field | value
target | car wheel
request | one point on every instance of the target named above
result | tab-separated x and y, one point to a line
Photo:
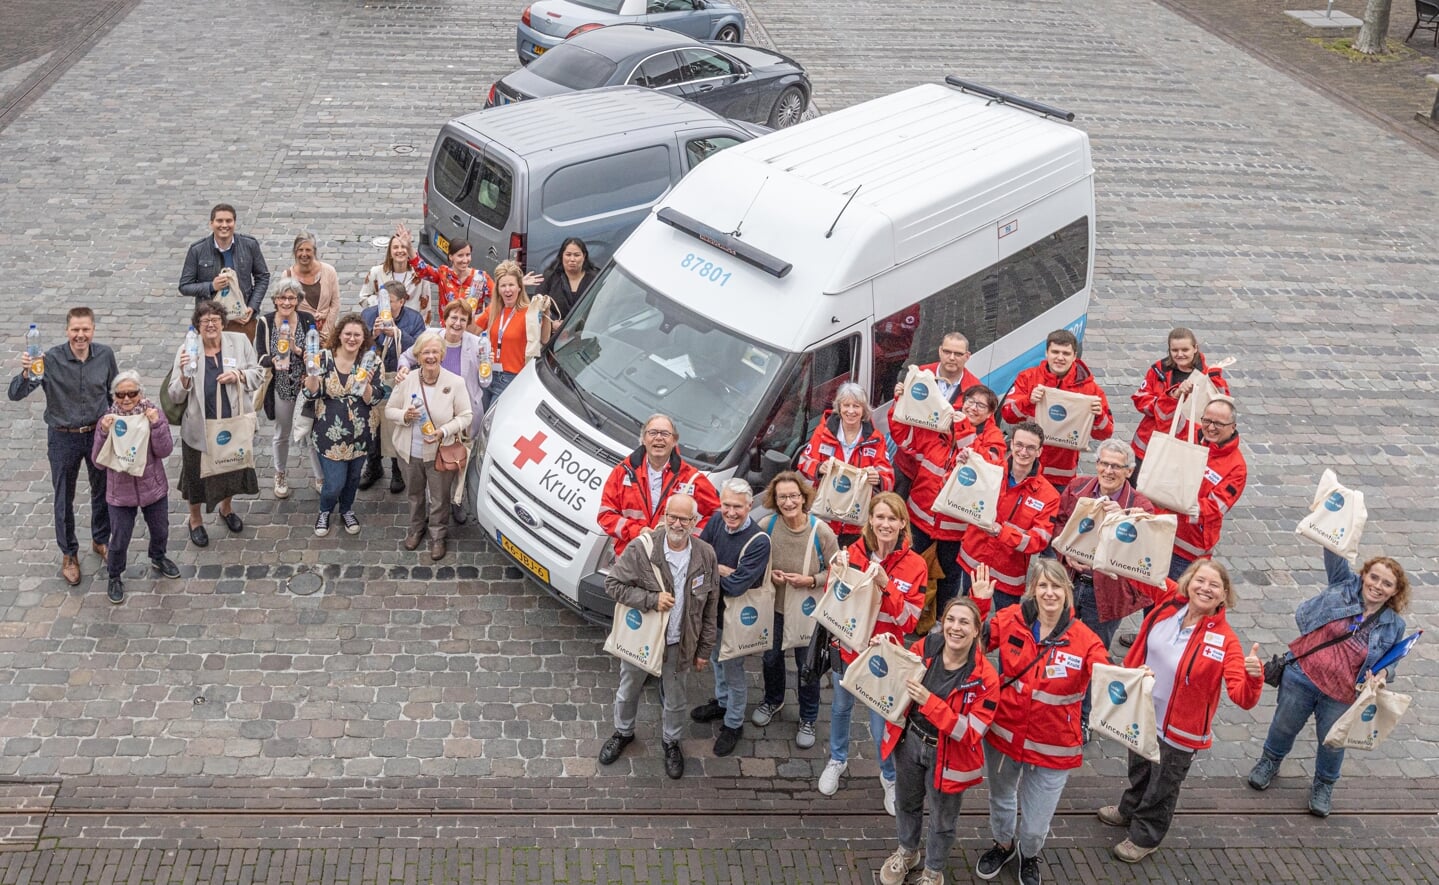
728	34
788	108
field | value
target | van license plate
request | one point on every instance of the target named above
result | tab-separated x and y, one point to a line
539	50
442	244
523	558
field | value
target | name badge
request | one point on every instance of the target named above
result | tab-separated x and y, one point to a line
229	362
1211	475
826	450
1034	503
1212	638
1214	654
1056	671
697	582
686	488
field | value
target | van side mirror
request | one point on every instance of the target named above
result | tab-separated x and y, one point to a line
771	464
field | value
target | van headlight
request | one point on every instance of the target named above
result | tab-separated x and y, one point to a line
607	557
487	421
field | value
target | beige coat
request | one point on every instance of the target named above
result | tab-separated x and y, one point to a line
449	405
327	312
233	346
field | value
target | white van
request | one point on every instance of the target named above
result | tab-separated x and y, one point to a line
842	249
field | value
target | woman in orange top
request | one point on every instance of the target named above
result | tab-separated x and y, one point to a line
505	324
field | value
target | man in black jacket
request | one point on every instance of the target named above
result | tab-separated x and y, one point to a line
225	248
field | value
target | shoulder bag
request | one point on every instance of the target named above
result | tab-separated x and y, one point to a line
449	457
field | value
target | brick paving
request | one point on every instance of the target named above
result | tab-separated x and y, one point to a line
438	706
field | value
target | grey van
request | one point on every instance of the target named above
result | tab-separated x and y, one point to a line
517	180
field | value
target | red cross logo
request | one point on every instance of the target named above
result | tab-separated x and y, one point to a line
529	449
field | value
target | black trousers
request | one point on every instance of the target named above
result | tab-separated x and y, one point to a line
67	451
122	529
1153	793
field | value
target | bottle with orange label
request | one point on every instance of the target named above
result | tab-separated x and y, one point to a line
34	356
486	357
427	427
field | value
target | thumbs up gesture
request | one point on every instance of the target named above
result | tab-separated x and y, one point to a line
1252	664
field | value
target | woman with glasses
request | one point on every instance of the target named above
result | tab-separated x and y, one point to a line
1165	382
280	344
846	432
222	387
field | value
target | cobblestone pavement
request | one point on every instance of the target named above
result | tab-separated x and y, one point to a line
1233	199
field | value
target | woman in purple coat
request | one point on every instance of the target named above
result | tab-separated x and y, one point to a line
129	495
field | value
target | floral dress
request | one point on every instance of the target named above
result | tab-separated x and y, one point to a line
478	285
344	427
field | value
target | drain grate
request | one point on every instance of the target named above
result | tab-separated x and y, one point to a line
305	584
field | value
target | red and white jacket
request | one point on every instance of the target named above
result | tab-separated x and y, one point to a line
933	453
870	451
904	462
1213	656
901	599
1058	465
625	506
1042	687
1026	510
962	719
1156	401
1224	481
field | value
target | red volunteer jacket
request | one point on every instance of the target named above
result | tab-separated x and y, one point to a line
1058	465
933	453
904	462
1027	510
869	452
902	598
1156	401
1224	482
1038	721
625	506
1114	597
961	718
1212	656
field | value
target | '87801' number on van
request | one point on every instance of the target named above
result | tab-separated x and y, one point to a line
705	269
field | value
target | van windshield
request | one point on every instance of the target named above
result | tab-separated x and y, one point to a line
632	351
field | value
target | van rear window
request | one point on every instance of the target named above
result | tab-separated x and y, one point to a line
452	170
573	67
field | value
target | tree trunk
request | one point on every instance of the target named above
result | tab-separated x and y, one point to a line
1371	39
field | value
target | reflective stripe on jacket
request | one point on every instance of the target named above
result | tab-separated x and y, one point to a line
1027	511
625	505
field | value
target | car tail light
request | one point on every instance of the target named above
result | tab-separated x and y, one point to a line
525	17
425	203
490	99
517	248
582	28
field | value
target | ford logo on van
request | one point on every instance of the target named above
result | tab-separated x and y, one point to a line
526	517
1126	532
633	619
1086	525
878	667
841	484
842	590
920	391
120	427
1117	692
222	438
1335	502
748	615
966	476
1057	412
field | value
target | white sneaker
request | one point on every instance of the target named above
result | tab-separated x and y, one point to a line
829	778
897	866
804	738
282	488
764	714
888	796
930	877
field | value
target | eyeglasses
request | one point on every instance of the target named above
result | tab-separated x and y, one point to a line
1024	447
1210	422
789	497
944	352
210	321
1104	465
290	298
659	434
670	517
126	394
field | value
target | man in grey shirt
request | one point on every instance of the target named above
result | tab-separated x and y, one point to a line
76	378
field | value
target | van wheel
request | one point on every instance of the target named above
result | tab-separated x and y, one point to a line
788	108
728	34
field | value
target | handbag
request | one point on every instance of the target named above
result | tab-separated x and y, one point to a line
541	307
818	659
1065	418
850	604
1370	718
174	412
1078	540
971	492
1136	544
877	677
843	494
1121	707
258	402
920	403
229	442
638	636
127	447
449	457
1174	468
1336	518
748	618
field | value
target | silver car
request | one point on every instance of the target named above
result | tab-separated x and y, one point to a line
548	23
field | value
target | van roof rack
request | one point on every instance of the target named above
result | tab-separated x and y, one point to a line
726	243
994	95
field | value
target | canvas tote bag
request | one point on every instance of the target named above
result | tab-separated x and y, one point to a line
1080	536
1122	708
1336	518
850	603
1136	544
636	636
1203	392
843	494
1174	468
748	617
127	448
799	604
1369	719
878	675
230	297
920	403
1065	418
971	492
540	307
229	442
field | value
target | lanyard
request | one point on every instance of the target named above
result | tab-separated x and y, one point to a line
504	323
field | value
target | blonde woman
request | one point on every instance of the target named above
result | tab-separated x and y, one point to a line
318	281
394	267
506	326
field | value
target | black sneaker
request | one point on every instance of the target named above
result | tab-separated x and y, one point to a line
458	515
166	567
397	482
993	860
614	747
728	739
674	760
352	522
116	591
370	477
709	711
322	524
1029	871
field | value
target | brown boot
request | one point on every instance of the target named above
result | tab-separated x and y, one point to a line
437	549
70	570
101	550
413	539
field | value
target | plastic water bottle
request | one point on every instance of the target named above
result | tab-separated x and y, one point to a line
192	347
34	356
363	373
387	319
427	427
486	356
282	346
312	353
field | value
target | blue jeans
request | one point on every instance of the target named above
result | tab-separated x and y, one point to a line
498	383
342	481
731	688
774	675
1299	698
840	711
67	451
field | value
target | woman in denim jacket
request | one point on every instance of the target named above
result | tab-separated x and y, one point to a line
1365	608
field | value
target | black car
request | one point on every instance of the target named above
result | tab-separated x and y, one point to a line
741	82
